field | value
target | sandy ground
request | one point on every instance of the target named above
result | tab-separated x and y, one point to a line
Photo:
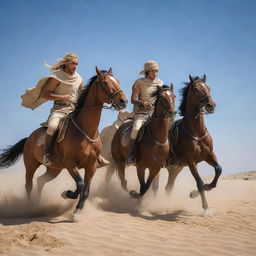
112	223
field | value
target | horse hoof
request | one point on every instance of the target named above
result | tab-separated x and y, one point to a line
208	214
64	195
78	212
207	187
134	194
168	191
194	193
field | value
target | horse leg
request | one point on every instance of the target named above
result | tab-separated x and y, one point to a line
88	175
121	174
79	184
155	184
200	186
173	173
109	173
145	186
141	177
49	175
31	165
152	173
212	160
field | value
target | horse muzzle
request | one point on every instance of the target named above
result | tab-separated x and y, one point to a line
120	104
210	107
171	114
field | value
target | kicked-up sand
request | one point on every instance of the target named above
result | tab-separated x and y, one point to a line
112	223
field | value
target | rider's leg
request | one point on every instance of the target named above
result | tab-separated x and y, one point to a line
138	122
49	138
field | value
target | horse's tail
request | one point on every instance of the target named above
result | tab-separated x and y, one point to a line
12	154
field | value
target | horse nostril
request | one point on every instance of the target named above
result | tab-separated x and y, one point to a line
123	102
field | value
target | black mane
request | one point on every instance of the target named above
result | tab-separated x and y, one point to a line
158	90
183	93
84	92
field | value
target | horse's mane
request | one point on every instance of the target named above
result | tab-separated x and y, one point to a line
158	90
84	92
183	93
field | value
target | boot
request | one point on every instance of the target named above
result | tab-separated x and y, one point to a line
131	159
101	161
47	148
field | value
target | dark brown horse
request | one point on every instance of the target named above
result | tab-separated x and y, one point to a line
194	143
152	149
81	145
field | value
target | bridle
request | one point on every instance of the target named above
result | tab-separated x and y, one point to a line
166	106
110	95
202	109
111	101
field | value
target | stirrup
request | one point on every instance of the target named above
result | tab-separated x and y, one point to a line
47	161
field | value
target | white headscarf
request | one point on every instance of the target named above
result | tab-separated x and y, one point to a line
149	65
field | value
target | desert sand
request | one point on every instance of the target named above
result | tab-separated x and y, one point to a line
112	223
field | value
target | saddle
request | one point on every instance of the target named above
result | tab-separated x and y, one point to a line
62	127
126	133
174	132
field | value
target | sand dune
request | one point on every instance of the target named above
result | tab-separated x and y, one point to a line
112	223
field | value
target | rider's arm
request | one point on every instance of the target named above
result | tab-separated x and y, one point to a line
47	91
135	97
81	86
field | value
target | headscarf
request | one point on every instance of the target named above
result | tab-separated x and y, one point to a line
149	65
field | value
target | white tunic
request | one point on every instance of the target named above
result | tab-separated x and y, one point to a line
147	88
69	84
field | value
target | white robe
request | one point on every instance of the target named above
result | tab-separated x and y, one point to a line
31	98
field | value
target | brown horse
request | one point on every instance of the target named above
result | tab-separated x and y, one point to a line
194	143
153	147
81	146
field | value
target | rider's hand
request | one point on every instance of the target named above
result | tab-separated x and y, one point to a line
66	98
146	105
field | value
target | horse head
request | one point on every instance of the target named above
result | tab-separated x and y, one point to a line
109	90
165	101
200	94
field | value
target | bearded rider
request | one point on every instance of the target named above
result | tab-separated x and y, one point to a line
63	87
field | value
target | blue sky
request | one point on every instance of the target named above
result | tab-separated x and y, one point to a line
217	38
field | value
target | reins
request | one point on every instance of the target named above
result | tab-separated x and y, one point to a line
156	141
164	106
194	137
110	95
81	131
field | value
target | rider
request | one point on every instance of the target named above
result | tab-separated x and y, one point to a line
63	87
143	102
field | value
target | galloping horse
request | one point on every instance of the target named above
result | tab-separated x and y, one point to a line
194	143
152	149
80	147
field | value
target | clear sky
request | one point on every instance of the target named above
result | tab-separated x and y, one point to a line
194	37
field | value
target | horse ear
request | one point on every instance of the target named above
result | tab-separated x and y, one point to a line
171	87
99	72
204	78
110	72
192	80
